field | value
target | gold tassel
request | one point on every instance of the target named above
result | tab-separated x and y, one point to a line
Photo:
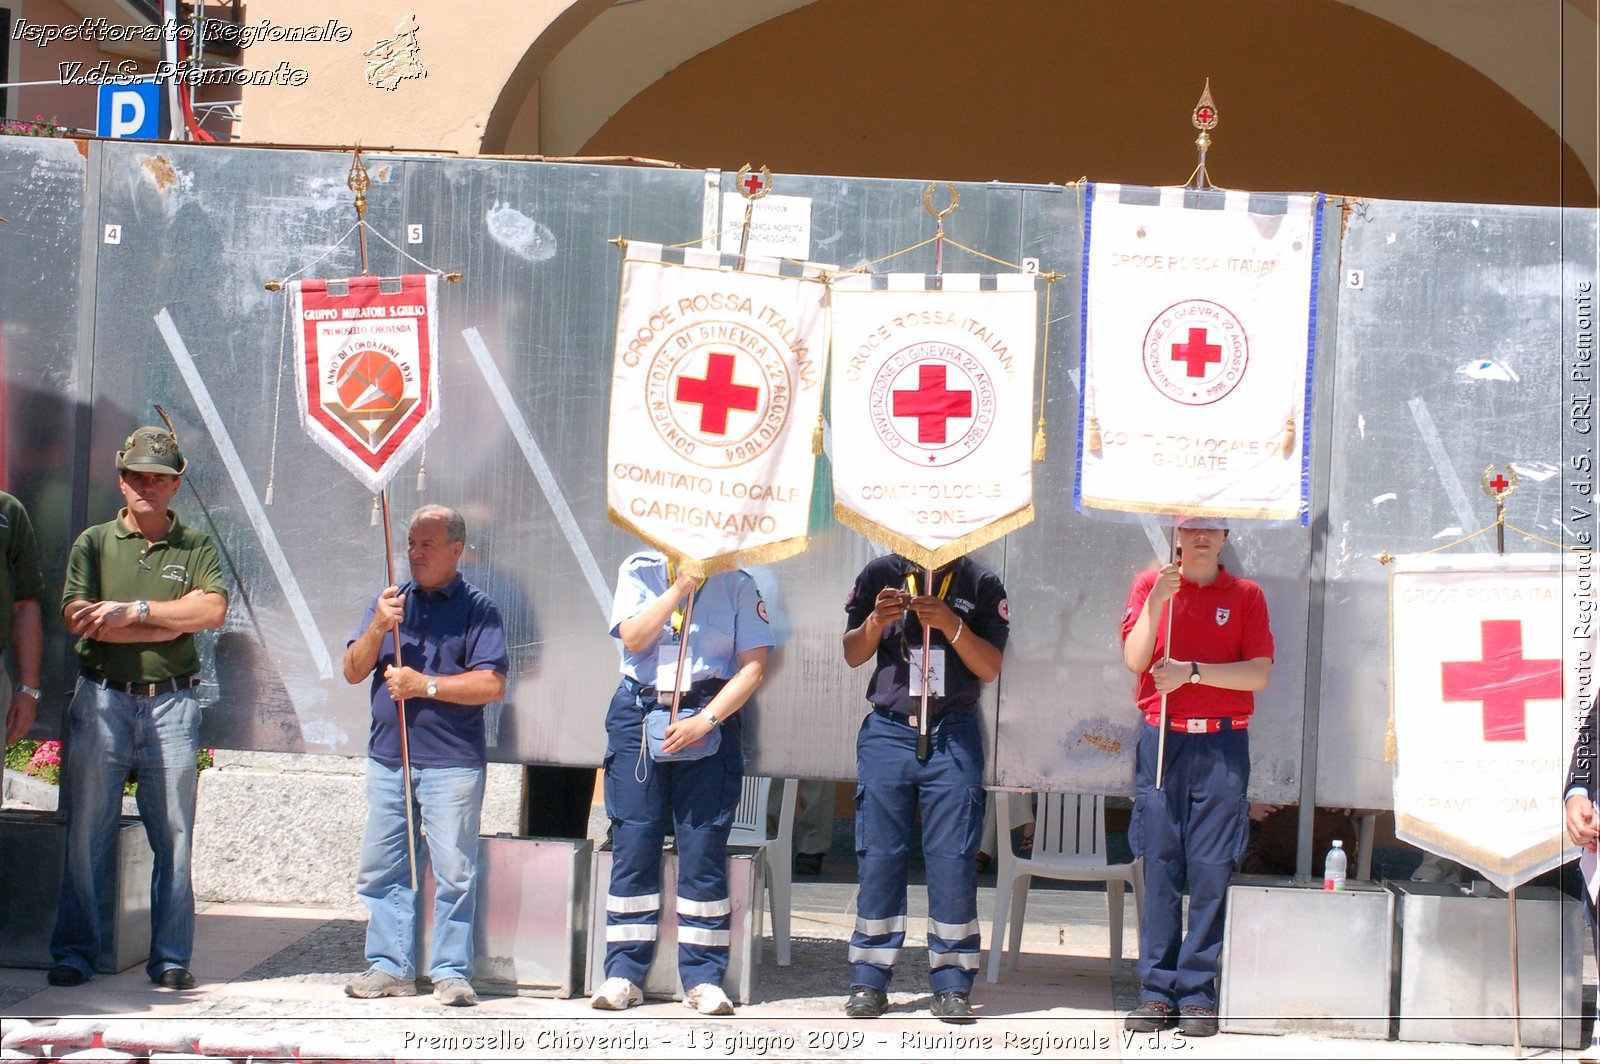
816	436
1094	436
1288	436
1039	442
267	500
1391	748
375	511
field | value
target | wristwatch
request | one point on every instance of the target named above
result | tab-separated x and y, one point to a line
24	689
711	715
142	608
433	687
1194	672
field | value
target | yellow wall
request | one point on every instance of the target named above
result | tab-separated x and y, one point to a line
1313	95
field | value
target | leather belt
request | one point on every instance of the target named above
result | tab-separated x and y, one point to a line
1200	725
911	718
698	694
144	690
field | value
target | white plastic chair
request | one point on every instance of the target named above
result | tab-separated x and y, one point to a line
1069	842
750	829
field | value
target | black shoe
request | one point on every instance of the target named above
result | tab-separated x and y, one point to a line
1197	1021
952	1006
866	1003
808	864
175	979
65	975
1153	1015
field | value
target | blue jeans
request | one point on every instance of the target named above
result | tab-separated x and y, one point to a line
108	733
892	788
450	801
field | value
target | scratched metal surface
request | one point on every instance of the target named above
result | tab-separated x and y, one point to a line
42	197
526	347
1451	357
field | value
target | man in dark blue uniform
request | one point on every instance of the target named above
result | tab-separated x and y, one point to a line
965	610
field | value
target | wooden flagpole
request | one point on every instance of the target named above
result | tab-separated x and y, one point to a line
1166	643
924	726
400	704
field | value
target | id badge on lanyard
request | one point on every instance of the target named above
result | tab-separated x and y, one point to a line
668	678
935	672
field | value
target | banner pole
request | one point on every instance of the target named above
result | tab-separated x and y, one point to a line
1516	979
924	735
400	704
683	654
1498	491
1166	642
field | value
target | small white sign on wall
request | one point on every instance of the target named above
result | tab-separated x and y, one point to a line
780	226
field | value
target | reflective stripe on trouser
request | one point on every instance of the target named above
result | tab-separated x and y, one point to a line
697	798
1191	834
948	791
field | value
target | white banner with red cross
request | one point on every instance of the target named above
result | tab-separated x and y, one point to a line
1485	653
716	388
1199	325
932	409
368	374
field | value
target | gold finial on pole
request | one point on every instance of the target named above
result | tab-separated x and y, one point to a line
359	182
1496	485
753	185
1204	118
939	215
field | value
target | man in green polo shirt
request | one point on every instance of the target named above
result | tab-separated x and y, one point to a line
137	590
21	621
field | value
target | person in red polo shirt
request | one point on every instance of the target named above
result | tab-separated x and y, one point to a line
1192	832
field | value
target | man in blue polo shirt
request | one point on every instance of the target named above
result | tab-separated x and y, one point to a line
452	663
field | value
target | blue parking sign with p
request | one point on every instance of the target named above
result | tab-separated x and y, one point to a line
130	110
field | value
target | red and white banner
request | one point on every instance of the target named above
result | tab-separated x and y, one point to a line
932	409
715	390
1484	695
367	375
1197	343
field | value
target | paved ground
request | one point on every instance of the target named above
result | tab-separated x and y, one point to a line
271	978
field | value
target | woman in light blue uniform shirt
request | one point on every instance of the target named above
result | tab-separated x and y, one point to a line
728	640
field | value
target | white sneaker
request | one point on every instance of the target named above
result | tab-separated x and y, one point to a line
708	1000
616	994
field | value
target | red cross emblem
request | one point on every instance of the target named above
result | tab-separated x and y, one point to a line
753	184
1499	483
1503	680
1197	353
717	394
931	403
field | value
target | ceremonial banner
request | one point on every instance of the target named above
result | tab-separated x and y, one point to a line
1483	688
1199	322
715	390
368	378
932	409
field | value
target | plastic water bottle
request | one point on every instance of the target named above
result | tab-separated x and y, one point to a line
1334	867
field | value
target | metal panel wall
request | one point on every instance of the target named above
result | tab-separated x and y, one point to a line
42	248
1450	359
175	313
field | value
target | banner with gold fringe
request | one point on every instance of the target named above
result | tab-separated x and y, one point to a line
716	389
1486	704
1199	327
931	409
